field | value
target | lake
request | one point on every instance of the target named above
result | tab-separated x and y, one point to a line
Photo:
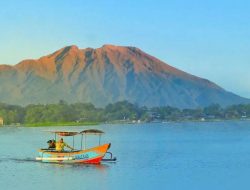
200	155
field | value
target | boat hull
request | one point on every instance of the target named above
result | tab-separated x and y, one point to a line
89	156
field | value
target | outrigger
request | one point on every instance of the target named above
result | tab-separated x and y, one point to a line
85	155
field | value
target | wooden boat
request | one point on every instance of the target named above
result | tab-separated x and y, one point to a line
85	155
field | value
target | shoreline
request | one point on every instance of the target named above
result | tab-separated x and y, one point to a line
74	124
59	124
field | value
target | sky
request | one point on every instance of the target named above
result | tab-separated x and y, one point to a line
209	39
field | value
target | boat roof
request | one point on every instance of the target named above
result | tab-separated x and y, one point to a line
73	133
92	132
64	133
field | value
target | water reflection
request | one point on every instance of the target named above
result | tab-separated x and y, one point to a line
100	167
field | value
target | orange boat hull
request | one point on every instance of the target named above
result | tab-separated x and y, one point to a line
89	156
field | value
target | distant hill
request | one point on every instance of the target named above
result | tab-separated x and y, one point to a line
107	75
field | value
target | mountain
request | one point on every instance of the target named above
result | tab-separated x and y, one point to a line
106	75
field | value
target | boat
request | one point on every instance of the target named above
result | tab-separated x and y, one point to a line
93	155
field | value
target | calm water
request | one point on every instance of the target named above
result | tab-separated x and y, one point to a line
164	156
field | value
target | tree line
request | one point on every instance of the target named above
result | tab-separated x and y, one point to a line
123	111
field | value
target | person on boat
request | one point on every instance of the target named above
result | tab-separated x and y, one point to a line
52	144
61	144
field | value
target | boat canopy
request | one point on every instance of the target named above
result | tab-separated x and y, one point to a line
65	133
73	133
92	132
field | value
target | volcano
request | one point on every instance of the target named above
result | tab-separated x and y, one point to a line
106	75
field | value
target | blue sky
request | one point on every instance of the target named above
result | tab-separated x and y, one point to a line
210	39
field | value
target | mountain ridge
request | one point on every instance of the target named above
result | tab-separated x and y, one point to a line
106	75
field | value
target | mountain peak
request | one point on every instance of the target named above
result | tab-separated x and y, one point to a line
110	47
72	49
